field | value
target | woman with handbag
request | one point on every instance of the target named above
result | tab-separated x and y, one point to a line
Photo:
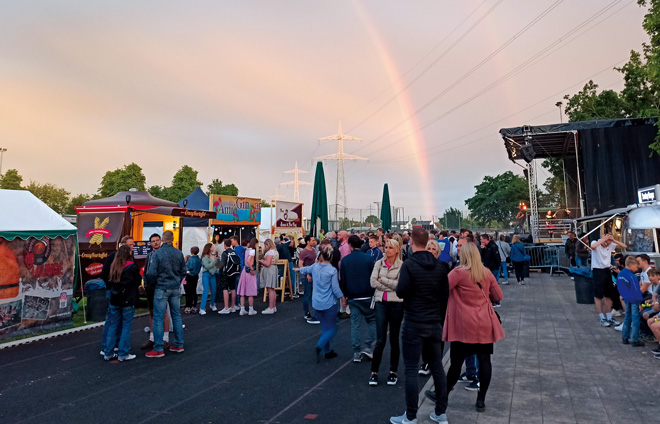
518	256
389	310
471	324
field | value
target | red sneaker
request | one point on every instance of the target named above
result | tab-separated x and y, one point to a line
155	354
176	349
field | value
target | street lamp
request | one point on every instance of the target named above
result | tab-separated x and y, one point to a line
561	118
2	153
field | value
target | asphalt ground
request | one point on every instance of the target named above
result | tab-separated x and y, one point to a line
250	369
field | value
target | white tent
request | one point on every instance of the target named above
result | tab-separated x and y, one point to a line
22	212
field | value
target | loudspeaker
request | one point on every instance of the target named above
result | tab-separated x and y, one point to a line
527	152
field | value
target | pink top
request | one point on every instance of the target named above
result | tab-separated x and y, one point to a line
470	316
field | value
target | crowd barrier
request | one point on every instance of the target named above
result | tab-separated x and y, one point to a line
551	257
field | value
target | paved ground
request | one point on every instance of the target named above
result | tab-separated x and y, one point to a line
557	365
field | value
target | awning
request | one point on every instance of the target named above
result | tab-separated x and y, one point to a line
604	215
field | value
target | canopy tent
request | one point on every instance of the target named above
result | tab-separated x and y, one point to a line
196	231
37	265
386	210
319	216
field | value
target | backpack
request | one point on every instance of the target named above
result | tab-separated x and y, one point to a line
232	264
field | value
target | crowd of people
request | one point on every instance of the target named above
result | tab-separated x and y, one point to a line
419	290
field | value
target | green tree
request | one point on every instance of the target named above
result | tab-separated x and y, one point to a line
554	185
76	201
264	204
122	179
11	180
345	224
497	198
372	219
184	182
413	221
157	191
452	218
216	187
588	104
55	197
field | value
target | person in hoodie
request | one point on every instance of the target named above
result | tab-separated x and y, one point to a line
355	283
629	289
373	251
424	288
490	257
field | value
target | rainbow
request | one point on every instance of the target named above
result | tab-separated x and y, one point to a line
415	139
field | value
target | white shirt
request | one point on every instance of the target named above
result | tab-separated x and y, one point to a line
601	256
644	278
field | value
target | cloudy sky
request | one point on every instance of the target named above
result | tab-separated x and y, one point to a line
241	90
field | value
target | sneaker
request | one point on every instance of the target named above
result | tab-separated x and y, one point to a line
357	357
625	341
496	304
307	316
295	296
522	283
252	312
402	419
234	309
424	369
224	311
638	343
186	311
194	310
392	379
149	344
127	358
373	380
506	283
268	311
656	356
154	354
616	313
330	355
619	327
656	351
474	386
213	308
109	358
102	353
369	354
465	379
605	323
313	321
613	322
177	349
202	311
243	312
442	418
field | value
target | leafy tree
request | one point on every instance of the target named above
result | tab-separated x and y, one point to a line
183	183
76	201
157	191
554	185
452	218
264	204
497	198
122	179
372	219
345	224
11	180
588	104
216	187
413	221
55	197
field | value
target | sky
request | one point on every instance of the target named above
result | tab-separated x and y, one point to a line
241	91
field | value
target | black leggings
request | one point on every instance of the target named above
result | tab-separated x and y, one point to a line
191	290
387	313
457	355
519	267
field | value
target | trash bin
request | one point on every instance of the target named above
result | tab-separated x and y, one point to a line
584	285
97	304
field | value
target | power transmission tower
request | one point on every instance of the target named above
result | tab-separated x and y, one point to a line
296	182
340	157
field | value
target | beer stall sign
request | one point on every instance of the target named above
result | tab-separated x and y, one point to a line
288	215
98	237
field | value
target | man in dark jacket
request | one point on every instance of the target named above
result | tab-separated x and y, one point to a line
424	288
490	255
570	247
355	283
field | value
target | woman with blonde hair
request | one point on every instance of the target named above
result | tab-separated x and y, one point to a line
268	275
471	324
389	310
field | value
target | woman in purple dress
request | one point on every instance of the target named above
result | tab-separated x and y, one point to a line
247	284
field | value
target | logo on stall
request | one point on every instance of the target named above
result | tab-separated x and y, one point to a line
99	231
36	251
63	300
94	269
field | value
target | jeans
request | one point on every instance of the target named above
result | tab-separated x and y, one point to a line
471	366
582	262
106	327
120	321
328	318
208	280
307	297
415	337
163	297
631	320
359	309
496	274
387	313
503	270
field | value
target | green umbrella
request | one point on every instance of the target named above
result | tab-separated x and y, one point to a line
319	203
386	210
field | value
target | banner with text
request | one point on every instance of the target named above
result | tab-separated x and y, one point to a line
232	210
288	215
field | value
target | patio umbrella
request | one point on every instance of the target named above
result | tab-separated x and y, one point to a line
386	210
319	218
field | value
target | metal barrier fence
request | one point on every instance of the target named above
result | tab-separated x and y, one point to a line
552	257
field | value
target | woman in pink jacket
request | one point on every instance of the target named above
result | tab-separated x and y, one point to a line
471	324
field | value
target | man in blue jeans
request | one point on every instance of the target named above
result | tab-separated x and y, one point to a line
307	257
355	283
167	269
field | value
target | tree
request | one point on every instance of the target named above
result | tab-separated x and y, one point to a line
76	201
372	219
122	179
413	221
497	198
264	204
216	187
554	185
56	198
452	219
157	191
589	105
184	182
11	180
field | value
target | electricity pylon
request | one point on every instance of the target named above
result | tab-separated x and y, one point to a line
296	182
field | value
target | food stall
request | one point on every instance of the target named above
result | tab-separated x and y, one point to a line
103	222
235	216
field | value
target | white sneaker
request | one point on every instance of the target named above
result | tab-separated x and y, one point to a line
252	312
619	327
268	311
616	313
243	312
202	312
224	311
213	308
234	309
275	309
402	419
442	418
128	358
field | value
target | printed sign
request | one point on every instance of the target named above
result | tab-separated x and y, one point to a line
233	210
36	283
98	236
141	249
289	215
648	194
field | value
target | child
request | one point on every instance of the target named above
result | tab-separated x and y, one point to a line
194	266
629	289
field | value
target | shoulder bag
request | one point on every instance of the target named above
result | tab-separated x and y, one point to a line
489	303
